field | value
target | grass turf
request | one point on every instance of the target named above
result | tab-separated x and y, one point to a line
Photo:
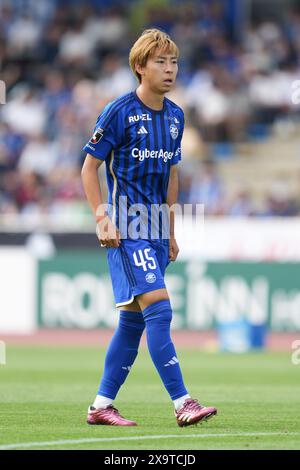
45	392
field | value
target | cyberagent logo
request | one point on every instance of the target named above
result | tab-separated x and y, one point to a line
98	134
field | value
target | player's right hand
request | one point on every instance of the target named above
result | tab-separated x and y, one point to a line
108	235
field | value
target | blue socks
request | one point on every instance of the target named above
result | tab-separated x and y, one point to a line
121	353
158	318
123	350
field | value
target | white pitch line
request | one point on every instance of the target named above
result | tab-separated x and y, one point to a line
140	438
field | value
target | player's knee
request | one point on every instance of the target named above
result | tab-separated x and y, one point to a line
158	311
131	321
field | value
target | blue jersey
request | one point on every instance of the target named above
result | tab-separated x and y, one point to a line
139	145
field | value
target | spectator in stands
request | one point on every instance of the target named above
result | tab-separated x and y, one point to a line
207	189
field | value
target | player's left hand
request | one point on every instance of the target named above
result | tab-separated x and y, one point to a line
174	250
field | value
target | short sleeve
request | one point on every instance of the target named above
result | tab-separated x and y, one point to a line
177	155
105	137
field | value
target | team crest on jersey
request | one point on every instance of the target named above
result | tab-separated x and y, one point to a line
98	134
150	277
174	131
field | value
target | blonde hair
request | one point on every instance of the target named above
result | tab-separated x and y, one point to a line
150	41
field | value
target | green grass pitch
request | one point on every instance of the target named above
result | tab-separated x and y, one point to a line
45	393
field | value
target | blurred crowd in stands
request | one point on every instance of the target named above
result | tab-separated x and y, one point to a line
62	61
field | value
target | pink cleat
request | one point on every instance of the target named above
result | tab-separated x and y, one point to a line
107	416
192	412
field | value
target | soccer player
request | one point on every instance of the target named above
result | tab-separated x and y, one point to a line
139	137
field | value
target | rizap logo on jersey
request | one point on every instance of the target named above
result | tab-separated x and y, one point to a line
174	131
140	117
146	153
150	277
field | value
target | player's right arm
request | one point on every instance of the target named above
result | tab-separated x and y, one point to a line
106	231
105	139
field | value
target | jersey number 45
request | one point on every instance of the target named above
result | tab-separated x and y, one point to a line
148	263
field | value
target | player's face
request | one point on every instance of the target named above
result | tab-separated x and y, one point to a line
160	72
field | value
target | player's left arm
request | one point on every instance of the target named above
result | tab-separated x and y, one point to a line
171	201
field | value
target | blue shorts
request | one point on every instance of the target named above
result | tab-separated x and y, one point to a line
136	267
